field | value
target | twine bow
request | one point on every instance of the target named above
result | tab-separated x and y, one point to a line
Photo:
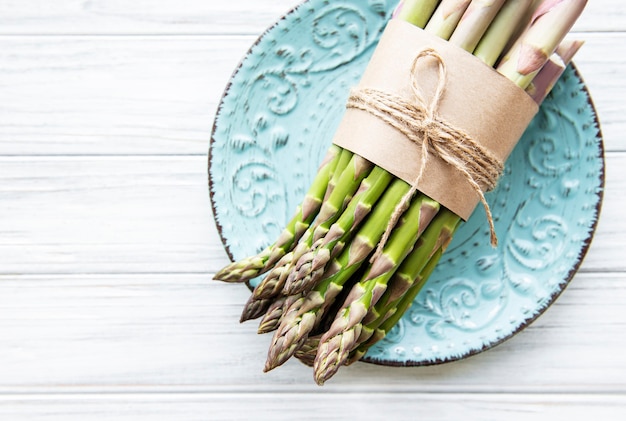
420	123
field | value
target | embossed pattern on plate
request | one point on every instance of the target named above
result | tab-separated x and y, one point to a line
277	118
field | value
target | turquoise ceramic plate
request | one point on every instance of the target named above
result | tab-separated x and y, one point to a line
277	118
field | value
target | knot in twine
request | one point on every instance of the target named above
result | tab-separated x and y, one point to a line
420	123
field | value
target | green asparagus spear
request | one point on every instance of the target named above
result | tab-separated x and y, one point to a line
254	308
310	267
331	210
305	314
275	312
253	266
408	279
388	321
306	353
340	339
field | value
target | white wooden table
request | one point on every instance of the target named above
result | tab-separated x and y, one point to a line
108	244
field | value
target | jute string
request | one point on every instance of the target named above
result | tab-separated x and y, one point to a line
420	123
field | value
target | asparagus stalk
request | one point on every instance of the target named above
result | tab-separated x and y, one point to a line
406	282
345	156
552	20
497	36
474	23
271	285
340	338
385	324
416	12
446	17
436	236
306	353
549	74
331	210
567	50
305	314
253	266
275	312
347	184
311	266
255	308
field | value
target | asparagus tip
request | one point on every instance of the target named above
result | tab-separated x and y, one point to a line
331	355
254	308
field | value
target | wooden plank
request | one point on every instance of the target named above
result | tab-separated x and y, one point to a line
153	214
180	333
101	215
295	406
112	95
140	16
601	75
197	16
158	95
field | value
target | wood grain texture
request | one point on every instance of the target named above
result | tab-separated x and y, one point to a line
153	215
197	17
345	405
108	245
112	95
158	95
80	17
151	332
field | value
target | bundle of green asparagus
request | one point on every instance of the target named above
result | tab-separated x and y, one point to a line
328	293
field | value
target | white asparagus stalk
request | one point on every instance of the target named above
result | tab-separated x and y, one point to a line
415	12
549	25
500	31
446	17
474	23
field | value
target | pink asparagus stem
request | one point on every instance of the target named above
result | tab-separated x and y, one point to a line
551	72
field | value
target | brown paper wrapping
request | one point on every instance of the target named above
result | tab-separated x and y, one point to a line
478	100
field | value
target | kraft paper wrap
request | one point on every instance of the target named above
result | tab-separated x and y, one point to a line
478	100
